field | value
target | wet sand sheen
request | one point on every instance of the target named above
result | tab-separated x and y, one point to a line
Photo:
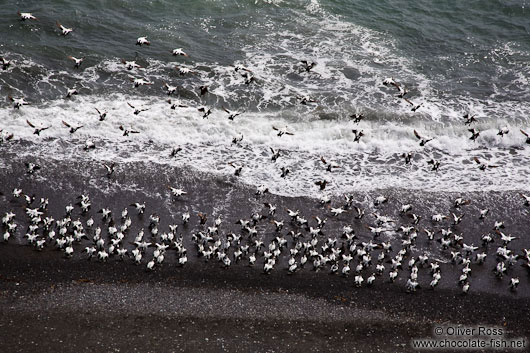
85	303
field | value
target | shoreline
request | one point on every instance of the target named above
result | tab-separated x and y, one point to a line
85	299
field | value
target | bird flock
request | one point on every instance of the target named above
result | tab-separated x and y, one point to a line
271	238
275	239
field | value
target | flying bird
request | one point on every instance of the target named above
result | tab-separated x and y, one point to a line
72	128
38	130
423	140
178	52
231	115
78	61
26	16
281	131
137	110
142	40
65	30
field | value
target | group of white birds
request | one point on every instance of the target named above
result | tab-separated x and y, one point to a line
272	239
303	245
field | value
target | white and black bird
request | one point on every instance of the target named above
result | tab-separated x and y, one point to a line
307	66
434	163
4	62
358	134
275	154
231	114
137	110
31	167
137	82
18	102
178	52
129	65
423	140
414	106
102	115
282	131
71	92
37	130
182	70
24	16
237	168
503	131
205	111
109	168
142	41
64	30
469	119
474	134
77	61
127	132
170	89
483	166
72	128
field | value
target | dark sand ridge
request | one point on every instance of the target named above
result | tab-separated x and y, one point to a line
119	305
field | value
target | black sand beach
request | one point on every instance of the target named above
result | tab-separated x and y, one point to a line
49	302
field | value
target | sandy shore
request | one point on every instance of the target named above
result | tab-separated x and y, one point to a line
48	302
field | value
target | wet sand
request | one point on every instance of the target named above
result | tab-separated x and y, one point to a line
48	302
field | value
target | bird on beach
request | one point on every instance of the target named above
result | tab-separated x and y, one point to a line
31	167
304	100
249	77
176	192
285	171
64	30
37	130
71	127
322	184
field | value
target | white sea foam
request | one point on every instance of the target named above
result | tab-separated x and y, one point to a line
352	62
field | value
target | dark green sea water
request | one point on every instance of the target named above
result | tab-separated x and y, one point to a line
453	56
